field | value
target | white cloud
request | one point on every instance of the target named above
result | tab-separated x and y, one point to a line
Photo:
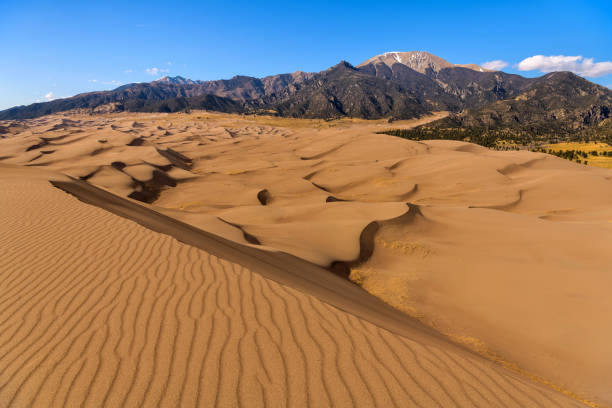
127	71
93	80
49	96
495	65
156	71
576	64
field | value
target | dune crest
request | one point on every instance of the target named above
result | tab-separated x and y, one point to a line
505	251
98	310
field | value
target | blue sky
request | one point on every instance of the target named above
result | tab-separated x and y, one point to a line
52	49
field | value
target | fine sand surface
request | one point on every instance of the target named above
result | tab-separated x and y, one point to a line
100	311
508	253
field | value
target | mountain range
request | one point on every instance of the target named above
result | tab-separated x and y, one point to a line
395	85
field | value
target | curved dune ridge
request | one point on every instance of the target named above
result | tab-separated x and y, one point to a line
97	310
506	252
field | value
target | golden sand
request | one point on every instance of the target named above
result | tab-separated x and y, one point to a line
509	248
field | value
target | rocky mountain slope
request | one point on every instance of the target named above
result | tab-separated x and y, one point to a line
238	89
559	101
344	90
397	85
420	61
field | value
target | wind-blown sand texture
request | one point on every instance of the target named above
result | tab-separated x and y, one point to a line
507	252
100	311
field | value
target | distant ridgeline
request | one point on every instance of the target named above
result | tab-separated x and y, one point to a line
486	105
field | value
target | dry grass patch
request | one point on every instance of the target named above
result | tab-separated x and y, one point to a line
593	151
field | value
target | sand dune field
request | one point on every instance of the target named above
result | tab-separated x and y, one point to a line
220	260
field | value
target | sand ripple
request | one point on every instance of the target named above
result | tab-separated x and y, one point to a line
96	310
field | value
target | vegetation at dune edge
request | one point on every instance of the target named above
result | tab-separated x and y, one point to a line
486	139
593	153
586	146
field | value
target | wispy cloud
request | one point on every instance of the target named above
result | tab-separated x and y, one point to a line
576	64
156	71
495	65
127	71
49	96
93	80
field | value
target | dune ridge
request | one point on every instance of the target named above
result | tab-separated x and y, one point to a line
508	253
100	311
278	266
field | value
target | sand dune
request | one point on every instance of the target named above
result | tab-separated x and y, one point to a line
507	253
100	311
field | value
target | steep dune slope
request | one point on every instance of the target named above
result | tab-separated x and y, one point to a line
99	311
506	252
